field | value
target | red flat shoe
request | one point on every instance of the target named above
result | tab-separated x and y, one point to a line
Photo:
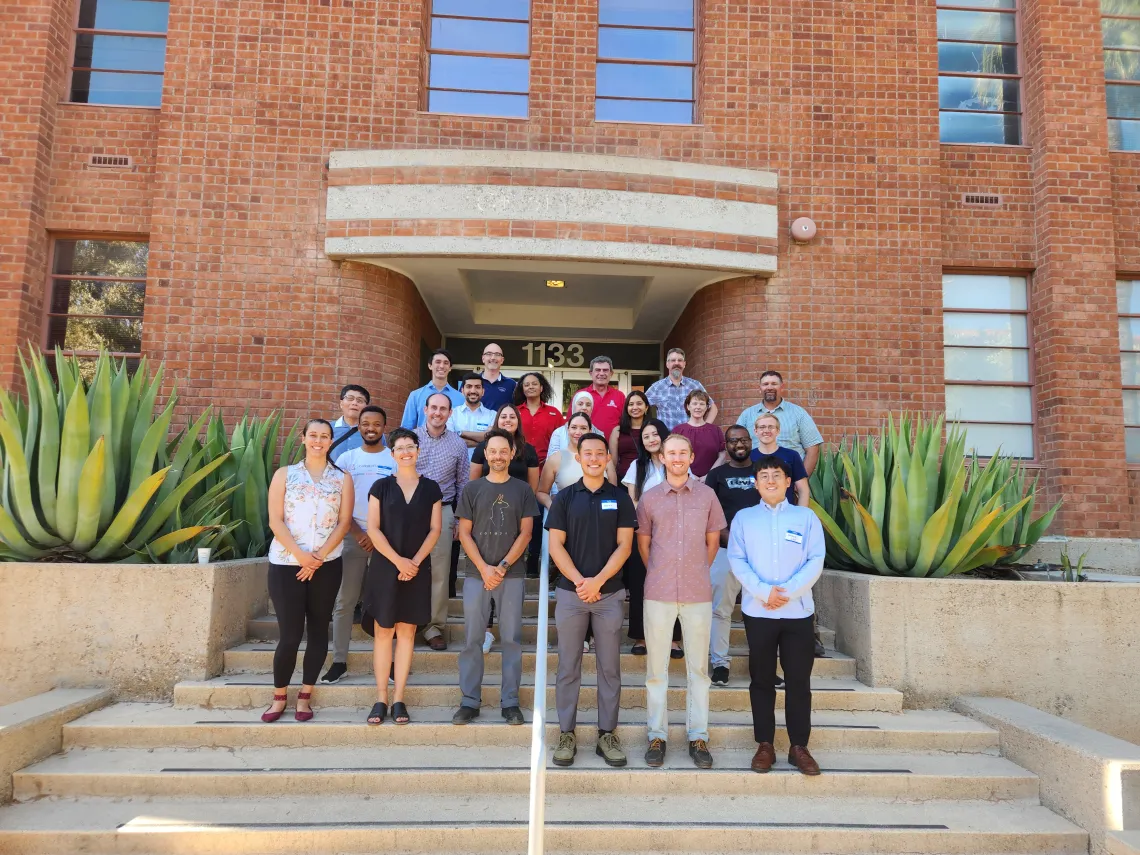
269	716
303	715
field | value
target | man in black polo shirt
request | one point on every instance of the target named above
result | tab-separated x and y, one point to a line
591	525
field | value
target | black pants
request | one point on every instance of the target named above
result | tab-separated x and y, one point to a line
300	605
534	550
453	574
633	572
794	640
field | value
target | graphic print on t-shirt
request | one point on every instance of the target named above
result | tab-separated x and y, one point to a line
499	510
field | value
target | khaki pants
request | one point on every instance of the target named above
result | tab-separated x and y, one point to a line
440	573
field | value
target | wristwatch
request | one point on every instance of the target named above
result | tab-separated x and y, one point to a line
506	565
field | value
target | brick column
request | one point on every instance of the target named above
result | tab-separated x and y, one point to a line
1080	432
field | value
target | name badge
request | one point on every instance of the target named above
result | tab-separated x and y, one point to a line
794	536
609	505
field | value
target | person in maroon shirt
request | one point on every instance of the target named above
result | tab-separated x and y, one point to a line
609	401
539	420
706	438
624	439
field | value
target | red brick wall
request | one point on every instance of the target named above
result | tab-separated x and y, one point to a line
976	236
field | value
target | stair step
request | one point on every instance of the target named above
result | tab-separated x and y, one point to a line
272	772
140	725
257	657
246	691
497	823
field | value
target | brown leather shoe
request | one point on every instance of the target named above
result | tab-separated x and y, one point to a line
764	758
801	758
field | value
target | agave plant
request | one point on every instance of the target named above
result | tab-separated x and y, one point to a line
893	505
89	474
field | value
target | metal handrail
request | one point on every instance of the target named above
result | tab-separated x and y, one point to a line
537	820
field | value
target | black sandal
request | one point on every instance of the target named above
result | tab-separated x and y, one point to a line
379	712
399	711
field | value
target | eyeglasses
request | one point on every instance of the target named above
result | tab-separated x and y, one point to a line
355	399
767	429
743	440
492	353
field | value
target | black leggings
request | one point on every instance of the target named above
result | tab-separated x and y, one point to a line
633	572
299	604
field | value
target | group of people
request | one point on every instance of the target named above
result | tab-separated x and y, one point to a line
640	497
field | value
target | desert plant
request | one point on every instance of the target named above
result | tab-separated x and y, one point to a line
894	505
89	474
1069	573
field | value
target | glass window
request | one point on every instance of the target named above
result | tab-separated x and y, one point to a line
989	388
479	58
120	52
646	64
979	81
1120	29
1128	304
98	289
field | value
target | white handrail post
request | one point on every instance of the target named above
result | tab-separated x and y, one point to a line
535	839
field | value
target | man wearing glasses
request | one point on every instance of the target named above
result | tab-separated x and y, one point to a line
346	431
767	428
498	389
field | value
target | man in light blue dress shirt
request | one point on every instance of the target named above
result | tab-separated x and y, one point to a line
440	366
776	551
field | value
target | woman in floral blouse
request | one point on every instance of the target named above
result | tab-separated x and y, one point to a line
310	511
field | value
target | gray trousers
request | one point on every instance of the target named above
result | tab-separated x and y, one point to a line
354	561
572	617
508	597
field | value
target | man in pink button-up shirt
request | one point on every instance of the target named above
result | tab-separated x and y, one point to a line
679	523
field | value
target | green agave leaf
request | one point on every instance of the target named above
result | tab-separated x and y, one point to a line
19	480
74	448
167	542
878	491
915	509
898	522
148	448
167	506
841	540
91	487
874	541
14	540
47	461
182	455
101	426
932	535
115	537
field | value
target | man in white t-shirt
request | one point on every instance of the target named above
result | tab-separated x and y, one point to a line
366	465
471	420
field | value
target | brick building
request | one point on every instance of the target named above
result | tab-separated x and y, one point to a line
280	197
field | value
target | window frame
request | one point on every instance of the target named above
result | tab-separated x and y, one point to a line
1029	462
49	290
1104	49
1127	387
426	89
695	65
77	31
1018	34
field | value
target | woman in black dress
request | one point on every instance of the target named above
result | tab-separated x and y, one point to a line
405	517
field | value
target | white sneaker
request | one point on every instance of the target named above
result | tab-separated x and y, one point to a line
488	640
585	647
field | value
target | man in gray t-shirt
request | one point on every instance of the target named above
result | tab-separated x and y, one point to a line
495	522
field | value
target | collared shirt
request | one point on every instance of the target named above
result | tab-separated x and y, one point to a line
797	429
414	410
538	427
466	419
591	521
678	518
607	409
366	468
498	392
669	399
340	428
443	458
776	546
795	463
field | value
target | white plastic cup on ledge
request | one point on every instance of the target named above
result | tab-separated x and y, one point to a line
204	555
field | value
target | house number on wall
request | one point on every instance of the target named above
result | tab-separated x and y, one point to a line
554	354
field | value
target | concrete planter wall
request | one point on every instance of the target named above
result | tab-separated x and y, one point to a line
134	628
1068	649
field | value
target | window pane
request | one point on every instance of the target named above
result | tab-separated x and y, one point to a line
976	26
969	363
1123	135
646	13
645	44
84	297
984	4
115	334
1014	440
657	112
989	403
972	291
1130	334
1122	64
985	59
1130	369
1120	7
979	128
481	73
978	93
479	36
478	104
1132	444
984	330
123	53
143	16
645	81
517	9
1128	298
121	258
1120	32
1123	100
1132	407
124	90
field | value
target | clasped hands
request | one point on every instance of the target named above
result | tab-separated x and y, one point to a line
309	562
776	599
493	576
589	590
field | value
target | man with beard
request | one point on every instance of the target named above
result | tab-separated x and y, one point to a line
797	429
471	420
668	394
366	464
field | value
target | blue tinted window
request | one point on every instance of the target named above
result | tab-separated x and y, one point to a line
481	73
646	13
103	62
645	81
1123	67
519	10
479	36
120	53
657	112
142	16
477	104
979	128
1123	135
988	94
672	45
979	58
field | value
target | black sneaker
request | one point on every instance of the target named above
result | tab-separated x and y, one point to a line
655	754
779	684
720	675
820	652
699	751
337	672
465	715
513	715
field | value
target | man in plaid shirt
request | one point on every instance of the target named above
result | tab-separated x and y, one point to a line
668	394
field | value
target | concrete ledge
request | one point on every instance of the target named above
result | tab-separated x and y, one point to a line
1086	776
32	729
1123	842
1111	554
135	628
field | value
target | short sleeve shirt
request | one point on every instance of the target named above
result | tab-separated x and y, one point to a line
669	399
366	468
607	409
496	512
591	521
499	392
677	519
466	419
795	463
708	443
519	466
797	429
538	427
735	489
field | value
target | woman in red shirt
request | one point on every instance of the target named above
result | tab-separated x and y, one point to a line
539	421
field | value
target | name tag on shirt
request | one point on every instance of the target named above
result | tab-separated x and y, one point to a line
609	505
794	536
